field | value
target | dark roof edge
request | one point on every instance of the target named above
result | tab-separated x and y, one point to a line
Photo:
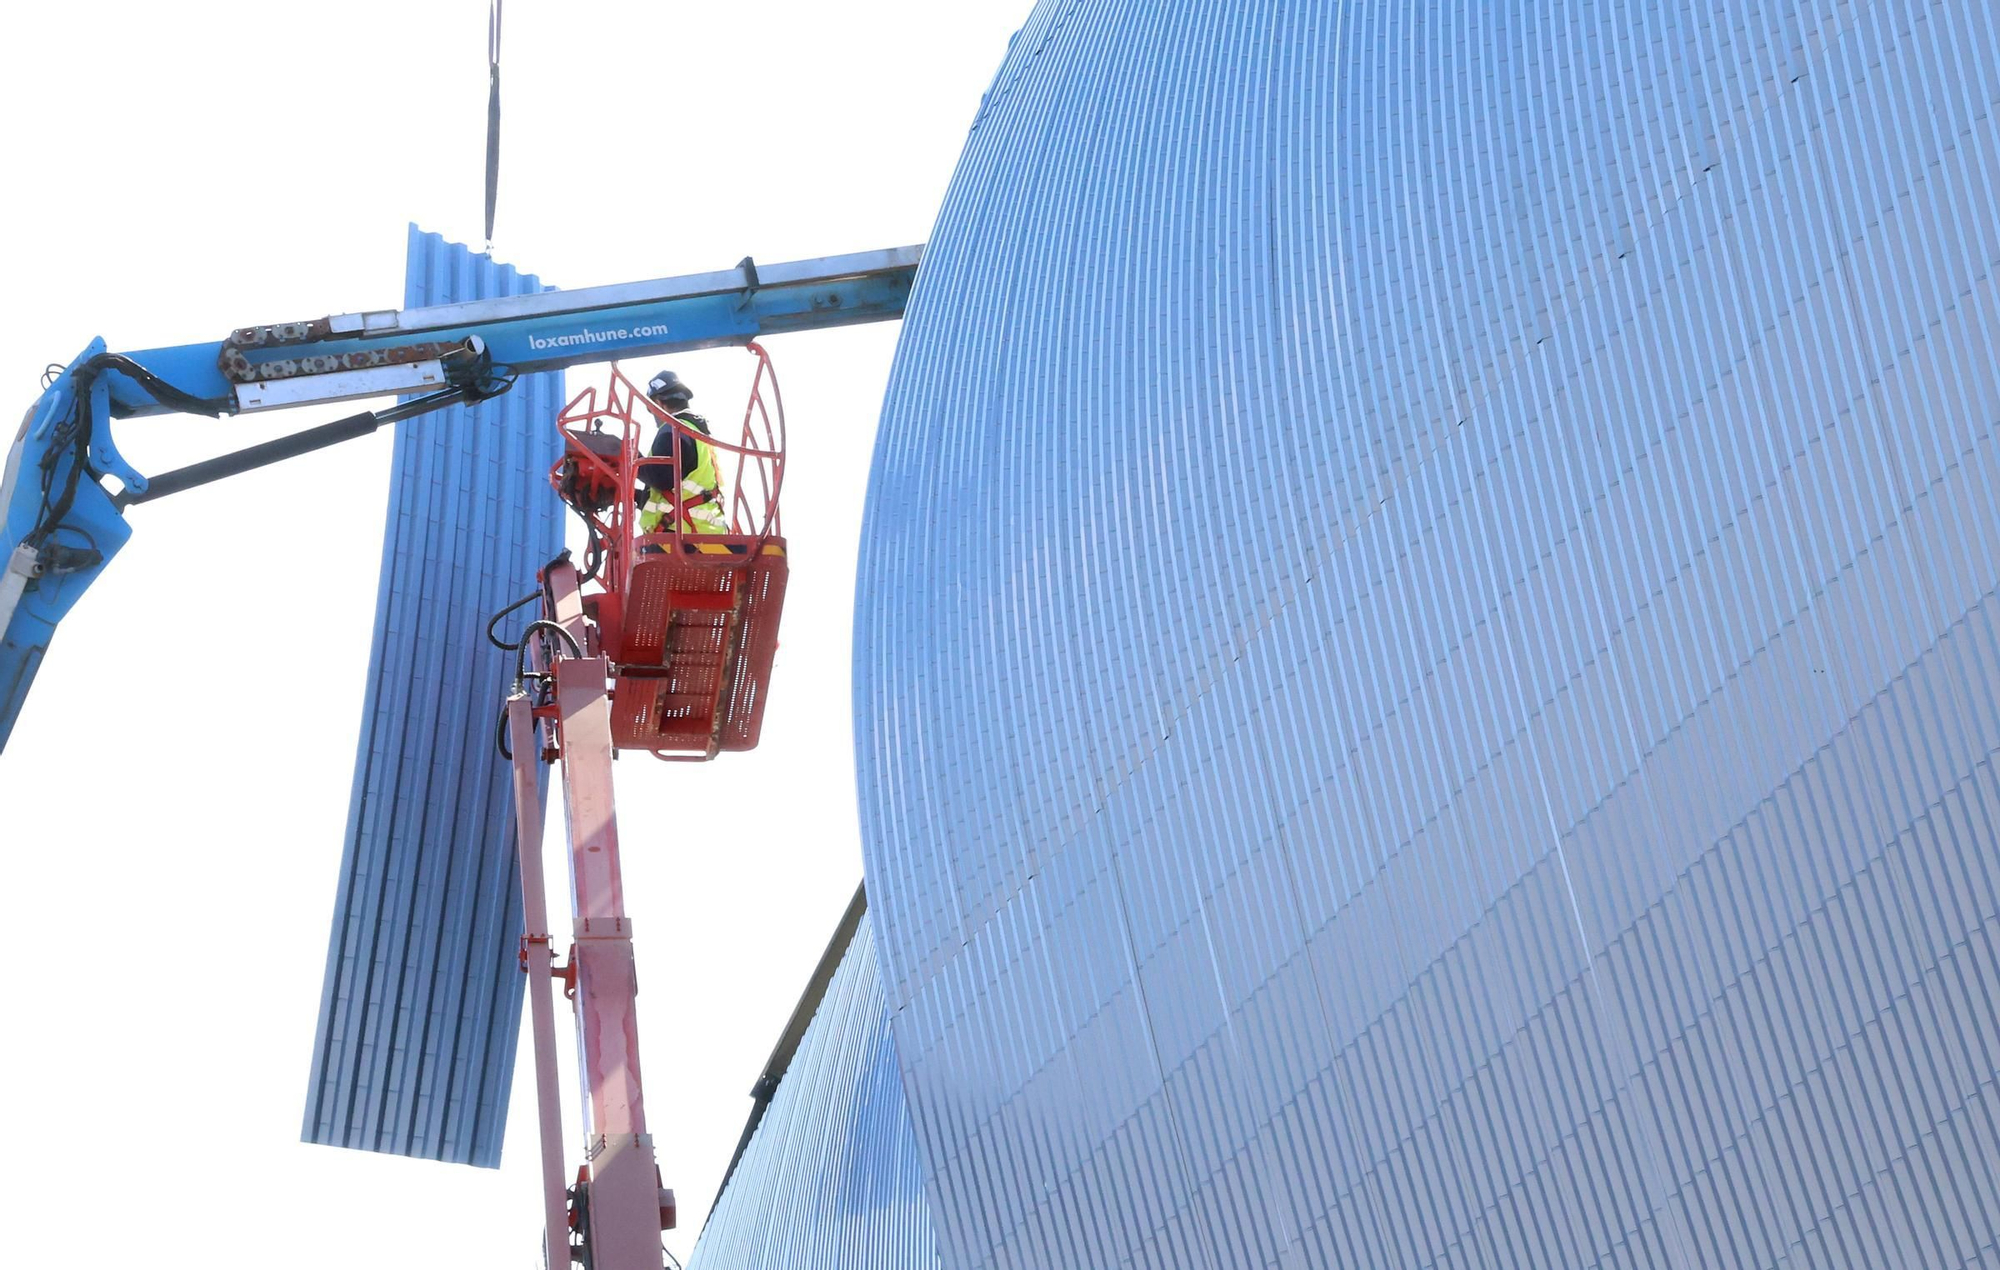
794	1031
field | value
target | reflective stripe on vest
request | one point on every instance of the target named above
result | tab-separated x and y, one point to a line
700	500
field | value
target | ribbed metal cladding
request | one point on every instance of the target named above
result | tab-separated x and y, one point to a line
422	1003
1427	642
832	1178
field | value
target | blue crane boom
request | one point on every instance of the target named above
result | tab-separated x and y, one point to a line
60	524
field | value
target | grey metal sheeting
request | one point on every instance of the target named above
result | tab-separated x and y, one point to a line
832	1177
422	1003
1428	640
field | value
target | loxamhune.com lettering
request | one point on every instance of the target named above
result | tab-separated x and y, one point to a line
586	337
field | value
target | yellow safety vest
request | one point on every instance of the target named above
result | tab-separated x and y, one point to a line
699	502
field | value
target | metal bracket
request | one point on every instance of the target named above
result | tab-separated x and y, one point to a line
104	458
526	941
340	375
273	392
563	970
21	568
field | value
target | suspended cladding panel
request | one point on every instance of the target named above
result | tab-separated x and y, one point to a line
833	1179
1428	636
422	1002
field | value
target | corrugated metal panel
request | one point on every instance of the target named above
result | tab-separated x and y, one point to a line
1428	634
422	1002
832	1178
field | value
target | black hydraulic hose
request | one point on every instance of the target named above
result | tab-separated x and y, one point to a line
155	387
54	510
593	553
540	627
542	592
81	424
493	625
552	628
485	383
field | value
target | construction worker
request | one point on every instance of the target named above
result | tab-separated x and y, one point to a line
698	493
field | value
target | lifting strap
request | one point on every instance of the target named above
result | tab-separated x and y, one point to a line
492	118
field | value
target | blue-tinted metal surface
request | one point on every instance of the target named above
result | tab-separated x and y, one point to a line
572	337
832	1178
422	1002
93	522
1427	643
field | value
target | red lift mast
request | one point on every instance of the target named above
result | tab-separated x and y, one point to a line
663	642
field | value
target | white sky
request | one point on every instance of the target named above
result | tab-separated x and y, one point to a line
173	800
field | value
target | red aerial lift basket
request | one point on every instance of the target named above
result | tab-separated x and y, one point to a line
695	660
688	621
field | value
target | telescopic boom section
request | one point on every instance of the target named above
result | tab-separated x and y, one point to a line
60	524
354	354
618	1208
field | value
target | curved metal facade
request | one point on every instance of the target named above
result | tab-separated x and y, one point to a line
1426	648
421	1007
832	1178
